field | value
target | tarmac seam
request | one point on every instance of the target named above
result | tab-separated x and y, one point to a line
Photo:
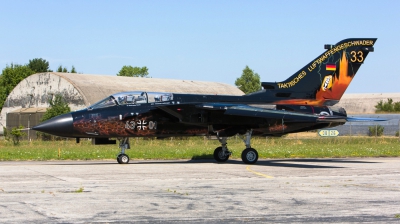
258	173
46	174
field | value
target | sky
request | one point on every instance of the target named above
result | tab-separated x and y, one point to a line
201	40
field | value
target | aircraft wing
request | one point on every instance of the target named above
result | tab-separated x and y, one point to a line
249	111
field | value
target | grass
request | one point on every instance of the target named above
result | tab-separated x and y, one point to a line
200	148
80	190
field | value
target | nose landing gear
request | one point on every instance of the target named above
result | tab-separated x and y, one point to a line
123	158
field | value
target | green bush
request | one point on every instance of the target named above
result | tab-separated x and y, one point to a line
5	133
376	130
58	106
397	134
396	106
16	134
388	106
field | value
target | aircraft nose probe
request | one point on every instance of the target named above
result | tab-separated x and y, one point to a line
61	126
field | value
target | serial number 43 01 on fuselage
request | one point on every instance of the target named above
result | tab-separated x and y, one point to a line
300	103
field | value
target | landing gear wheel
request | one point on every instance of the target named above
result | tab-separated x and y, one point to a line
123	159
249	156
220	156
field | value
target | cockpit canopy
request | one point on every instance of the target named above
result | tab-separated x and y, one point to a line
132	98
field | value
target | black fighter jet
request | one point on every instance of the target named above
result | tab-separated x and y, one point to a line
300	103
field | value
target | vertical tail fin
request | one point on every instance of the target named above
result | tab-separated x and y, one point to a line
324	80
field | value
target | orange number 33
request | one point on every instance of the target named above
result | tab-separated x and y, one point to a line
357	56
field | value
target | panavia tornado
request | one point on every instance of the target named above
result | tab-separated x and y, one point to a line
300	103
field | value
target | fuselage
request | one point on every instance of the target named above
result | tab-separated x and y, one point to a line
142	114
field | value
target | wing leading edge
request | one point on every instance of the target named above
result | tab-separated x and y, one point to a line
282	114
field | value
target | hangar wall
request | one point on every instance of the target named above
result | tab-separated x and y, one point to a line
35	92
364	103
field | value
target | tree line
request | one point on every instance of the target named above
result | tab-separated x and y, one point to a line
15	73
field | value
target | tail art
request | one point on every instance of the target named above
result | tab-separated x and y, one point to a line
324	80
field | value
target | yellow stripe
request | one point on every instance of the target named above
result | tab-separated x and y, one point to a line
257	173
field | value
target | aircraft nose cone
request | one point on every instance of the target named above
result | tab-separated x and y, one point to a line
61	126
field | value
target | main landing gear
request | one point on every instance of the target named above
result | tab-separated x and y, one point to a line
221	154
249	155
123	158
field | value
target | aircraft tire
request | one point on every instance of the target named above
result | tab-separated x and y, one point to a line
218	155
123	159
249	156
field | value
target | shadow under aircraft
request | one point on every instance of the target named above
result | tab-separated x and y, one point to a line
300	103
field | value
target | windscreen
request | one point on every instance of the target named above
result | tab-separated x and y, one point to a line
107	102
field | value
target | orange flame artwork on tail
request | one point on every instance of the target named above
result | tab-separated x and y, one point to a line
339	85
340	82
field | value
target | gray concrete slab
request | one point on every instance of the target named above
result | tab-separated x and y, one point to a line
283	191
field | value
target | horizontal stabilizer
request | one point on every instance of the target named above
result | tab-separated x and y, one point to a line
361	119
